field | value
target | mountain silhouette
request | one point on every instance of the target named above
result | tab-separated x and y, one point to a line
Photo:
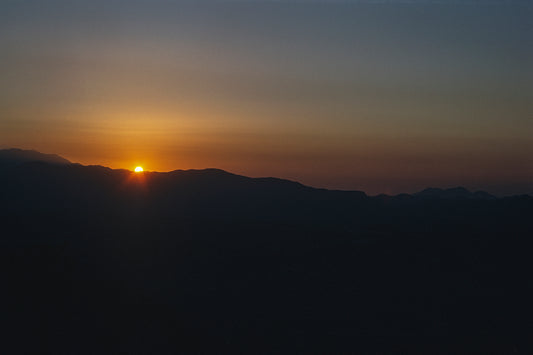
96	260
454	193
212	179
18	156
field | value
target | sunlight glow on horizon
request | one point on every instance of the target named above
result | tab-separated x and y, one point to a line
384	98
139	169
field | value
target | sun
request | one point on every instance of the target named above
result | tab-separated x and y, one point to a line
139	169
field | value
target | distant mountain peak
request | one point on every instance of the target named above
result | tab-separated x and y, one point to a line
19	156
458	192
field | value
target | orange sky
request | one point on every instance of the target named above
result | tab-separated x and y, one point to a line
378	98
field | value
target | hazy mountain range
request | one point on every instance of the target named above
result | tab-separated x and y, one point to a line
217	176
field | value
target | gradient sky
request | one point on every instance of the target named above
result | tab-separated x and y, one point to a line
385	96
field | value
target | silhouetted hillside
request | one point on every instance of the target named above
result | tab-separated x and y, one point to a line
18	156
454	193
96	260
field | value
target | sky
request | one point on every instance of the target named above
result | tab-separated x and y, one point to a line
380	96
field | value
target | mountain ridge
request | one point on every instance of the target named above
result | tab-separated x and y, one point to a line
19	156
14	156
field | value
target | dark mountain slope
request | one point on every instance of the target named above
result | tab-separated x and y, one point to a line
99	260
454	193
18	156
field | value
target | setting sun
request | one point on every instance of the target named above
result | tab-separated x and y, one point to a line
138	169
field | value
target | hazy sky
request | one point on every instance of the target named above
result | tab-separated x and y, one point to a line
385	96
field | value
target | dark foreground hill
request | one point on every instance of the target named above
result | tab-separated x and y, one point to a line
96	260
